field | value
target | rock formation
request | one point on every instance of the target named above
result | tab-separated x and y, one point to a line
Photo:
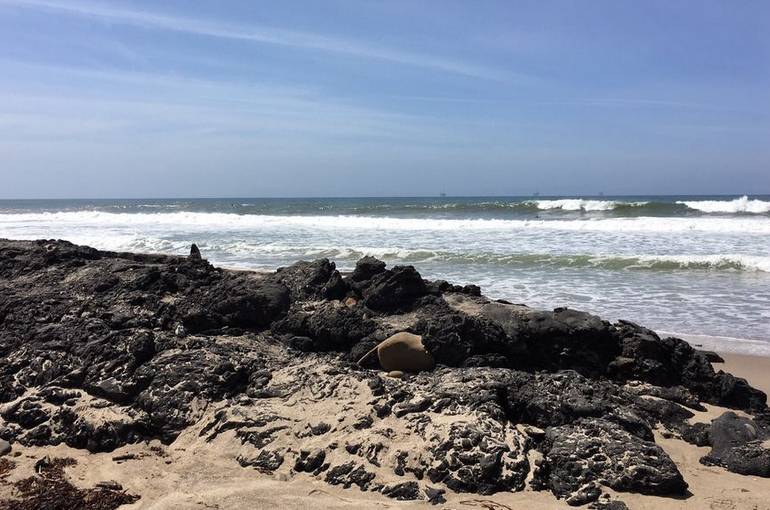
101	349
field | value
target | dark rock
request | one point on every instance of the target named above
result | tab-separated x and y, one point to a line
712	357
592	450
302	343
608	505
335	287
309	461
434	495
363	422
471	461
698	434
737	445
406	491
361	348
331	327
195	253
306	280
561	398
438	287
320	429
569	339
265	462
109	485
453	337
394	290
349	474
367	268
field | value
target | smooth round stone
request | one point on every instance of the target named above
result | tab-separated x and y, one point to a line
404	352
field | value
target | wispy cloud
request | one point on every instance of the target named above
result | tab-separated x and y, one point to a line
147	104
267	35
635	103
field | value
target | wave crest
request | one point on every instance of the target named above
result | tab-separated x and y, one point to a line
580	204
740	205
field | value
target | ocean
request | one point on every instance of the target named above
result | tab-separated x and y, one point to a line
694	266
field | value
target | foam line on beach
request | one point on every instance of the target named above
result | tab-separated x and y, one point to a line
727	344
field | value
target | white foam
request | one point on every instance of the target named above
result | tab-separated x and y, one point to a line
196	221
739	205
724	344
578	204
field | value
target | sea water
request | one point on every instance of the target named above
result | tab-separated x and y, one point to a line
689	265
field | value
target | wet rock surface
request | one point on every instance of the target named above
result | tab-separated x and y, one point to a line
103	349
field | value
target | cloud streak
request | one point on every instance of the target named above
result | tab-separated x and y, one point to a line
267	35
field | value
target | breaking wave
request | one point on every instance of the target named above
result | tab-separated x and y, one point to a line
740	205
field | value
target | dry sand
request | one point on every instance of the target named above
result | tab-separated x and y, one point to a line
192	474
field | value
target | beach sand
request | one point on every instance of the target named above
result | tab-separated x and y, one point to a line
192	474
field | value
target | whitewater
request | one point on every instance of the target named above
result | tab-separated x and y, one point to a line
694	265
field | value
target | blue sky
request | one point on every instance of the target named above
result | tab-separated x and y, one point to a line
357	97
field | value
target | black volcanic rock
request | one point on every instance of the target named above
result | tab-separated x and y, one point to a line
367	268
331	326
394	290
569	339
597	451
737	443
672	361
306	280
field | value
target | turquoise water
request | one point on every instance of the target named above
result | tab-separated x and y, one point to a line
684	264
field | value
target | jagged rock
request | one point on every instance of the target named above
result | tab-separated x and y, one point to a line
564	397
335	287
737	443
394	290
349	474
405	491
266	461
712	357
195	253
434	495
310	460
331	326
698	434
672	361
367	268
596	450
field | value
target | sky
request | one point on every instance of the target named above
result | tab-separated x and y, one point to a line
157	98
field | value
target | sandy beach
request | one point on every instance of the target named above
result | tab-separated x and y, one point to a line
190	474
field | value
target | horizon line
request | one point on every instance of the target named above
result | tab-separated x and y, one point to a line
333	197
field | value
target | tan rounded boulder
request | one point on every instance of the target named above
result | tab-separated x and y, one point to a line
402	352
